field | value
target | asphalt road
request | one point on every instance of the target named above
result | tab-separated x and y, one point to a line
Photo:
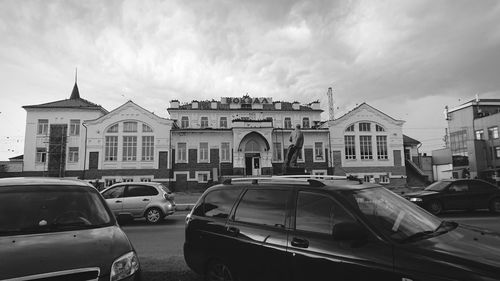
160	246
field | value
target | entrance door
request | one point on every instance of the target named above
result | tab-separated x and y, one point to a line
256	166
248	166
93	160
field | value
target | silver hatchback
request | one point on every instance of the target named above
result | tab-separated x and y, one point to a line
151	200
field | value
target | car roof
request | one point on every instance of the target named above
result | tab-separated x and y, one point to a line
311	182
41	181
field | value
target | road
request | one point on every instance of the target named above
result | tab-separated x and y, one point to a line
160	246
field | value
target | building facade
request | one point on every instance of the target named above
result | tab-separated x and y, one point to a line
474	139
207	141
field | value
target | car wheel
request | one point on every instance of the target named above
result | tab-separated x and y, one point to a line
219	271
435	207
495	205
153	215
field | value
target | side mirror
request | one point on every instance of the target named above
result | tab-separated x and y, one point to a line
345	231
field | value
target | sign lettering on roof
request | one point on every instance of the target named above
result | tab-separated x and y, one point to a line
246	100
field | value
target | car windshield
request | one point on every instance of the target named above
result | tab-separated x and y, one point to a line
44	208
391	214
437	186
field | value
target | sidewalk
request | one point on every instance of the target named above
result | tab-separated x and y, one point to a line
185	201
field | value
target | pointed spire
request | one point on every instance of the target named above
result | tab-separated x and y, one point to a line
75	94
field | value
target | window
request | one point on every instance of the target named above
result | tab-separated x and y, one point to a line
184	122
305	123
368	178
148	144
497	152
74	127
350	128
493	133
379	128
459	152
383	179
115	192
146	129
217	204
288	123
459	186
318	151
73	154
181	152
261	206
203	157
203	177
223	122
113	129
277	152
479	134
382	148
43	127
130	127
41	155
111	148
109	182
365	147
145	179
350	147
129	148
204	122
318	213
140	191
364	127
225	152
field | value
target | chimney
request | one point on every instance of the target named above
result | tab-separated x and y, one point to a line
330	104
315	105
194	104
174	104
295	105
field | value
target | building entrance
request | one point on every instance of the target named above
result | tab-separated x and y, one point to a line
252	164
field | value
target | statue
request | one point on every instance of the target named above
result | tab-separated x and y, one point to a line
297	141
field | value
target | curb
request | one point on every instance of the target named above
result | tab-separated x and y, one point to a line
184	207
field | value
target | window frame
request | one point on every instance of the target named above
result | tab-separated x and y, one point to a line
493	133
184	122
201	158
42	127
287	123
223	122
223	152
147	148
277	151
382	148
321	149
74	127
365	147
306	124
364	127
204	122
181	153
110	149
350	146
129	148
40	155
130	127
73	154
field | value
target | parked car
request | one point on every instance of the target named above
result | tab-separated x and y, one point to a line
465	194
151	200
55	229
286	229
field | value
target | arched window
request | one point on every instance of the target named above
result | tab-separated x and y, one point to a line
146	129
379	128
113	129
350	128
252	146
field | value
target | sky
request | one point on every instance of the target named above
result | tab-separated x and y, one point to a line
409	59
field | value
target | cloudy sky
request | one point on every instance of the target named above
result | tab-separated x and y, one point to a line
407	58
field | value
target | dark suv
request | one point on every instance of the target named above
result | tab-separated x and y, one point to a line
292	229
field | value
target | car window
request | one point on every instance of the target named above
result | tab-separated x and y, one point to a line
460	186
165	188
50	209
263	206
115	192
438	186
141	190
318	213
478	186
218	203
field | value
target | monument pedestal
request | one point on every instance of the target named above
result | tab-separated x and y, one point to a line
294	171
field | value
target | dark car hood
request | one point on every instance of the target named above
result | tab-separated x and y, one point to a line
465	248
421	193
25	255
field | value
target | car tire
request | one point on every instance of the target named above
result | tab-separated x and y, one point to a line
153	215
219	271
435	207
495	205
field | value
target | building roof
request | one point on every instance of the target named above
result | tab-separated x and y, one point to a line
207	105
475	102
19	157
409	141
75	101
364	104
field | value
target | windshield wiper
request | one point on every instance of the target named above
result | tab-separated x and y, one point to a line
443	227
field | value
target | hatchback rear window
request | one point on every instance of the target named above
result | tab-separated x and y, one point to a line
218	203
40	209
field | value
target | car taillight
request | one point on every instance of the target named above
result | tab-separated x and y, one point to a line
165	196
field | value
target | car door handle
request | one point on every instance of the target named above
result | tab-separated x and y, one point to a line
233	230
300	243
118	201
145	199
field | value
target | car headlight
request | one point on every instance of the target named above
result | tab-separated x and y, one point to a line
416	199
124	266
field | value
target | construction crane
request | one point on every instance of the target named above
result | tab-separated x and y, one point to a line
330	103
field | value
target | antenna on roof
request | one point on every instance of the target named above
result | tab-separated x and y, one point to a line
76	74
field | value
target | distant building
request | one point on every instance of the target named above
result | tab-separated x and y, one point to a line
418	167
474	139
369	144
